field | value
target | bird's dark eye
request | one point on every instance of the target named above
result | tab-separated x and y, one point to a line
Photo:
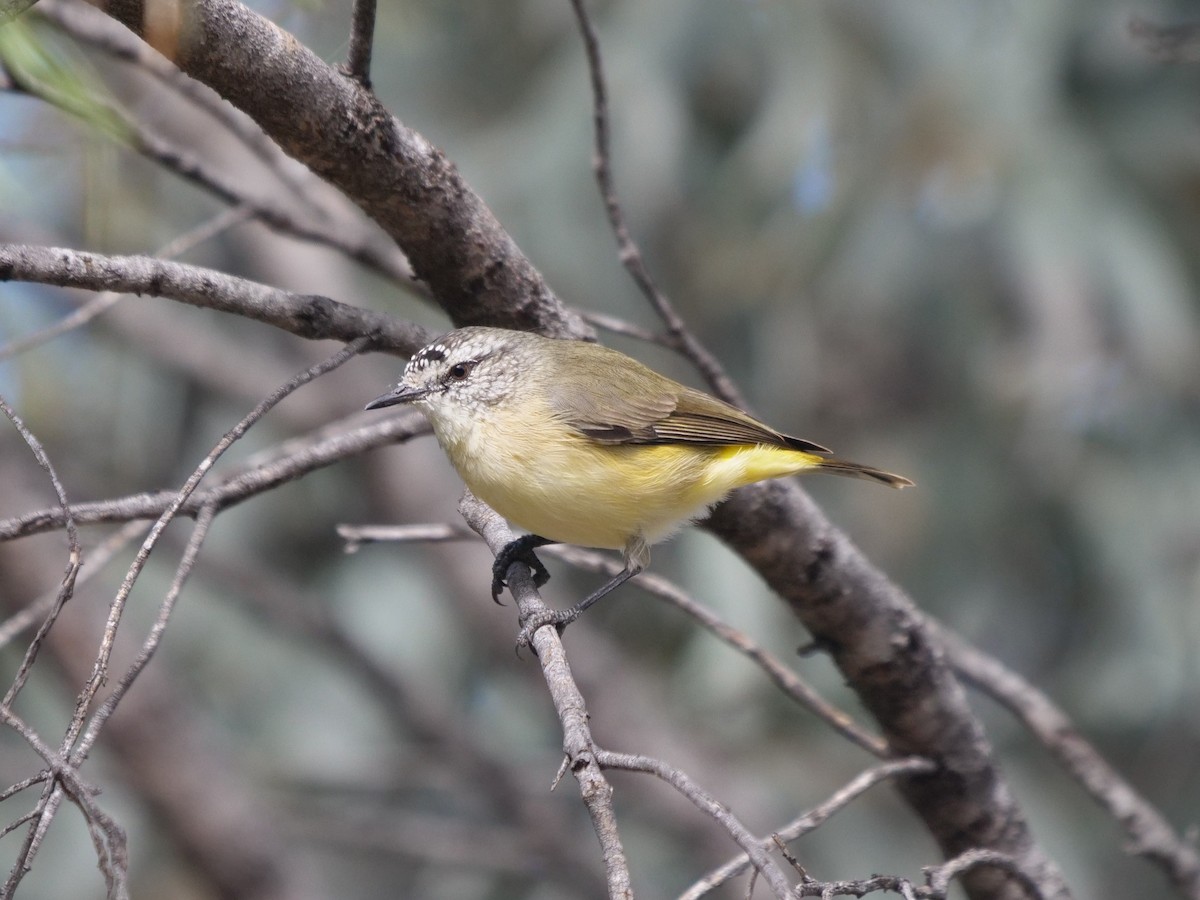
459	371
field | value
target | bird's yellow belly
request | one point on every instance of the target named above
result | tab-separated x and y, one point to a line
579	492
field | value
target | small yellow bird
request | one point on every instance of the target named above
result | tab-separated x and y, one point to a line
580	444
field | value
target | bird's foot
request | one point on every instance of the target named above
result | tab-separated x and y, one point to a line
520	550
559	618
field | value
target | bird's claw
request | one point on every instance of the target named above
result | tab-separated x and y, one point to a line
520	550
559	618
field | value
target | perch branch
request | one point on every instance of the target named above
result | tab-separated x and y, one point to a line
578	746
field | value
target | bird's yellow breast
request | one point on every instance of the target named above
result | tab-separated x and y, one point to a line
551	480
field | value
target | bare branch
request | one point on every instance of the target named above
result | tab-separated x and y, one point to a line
620	326
705	802
305	315
302	457
261	205
809	821
356	536
65	780
783	677
1149	834
108	299
344	134
74	556
90	26
682	338
362	36
568	702
478	275
939	877
416	714
191	553
93	563
881	643
100	666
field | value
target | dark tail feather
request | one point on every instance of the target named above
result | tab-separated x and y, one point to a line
854	470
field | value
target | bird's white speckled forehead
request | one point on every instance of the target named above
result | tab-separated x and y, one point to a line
466	343
426	357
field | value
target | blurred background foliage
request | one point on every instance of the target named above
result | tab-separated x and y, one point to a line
956	240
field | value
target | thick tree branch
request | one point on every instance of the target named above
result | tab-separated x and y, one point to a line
880	642
343	133
356	238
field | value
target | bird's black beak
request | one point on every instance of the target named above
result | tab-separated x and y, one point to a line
399	394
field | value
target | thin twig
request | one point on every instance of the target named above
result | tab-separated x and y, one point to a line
64	780
938	879
94	562
100	667
186	564
301	459
28	817
116	609
809	821
362	37
74	556
705	802
415	714
13	789
1148	833
628	329
356	536
627	249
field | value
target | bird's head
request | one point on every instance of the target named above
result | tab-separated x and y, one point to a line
464	372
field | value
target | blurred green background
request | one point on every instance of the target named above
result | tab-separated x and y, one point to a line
955	240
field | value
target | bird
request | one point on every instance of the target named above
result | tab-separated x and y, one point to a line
577	443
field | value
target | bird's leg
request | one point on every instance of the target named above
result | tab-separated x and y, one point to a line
637	557
520	550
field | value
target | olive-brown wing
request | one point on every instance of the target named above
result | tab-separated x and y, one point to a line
613	399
